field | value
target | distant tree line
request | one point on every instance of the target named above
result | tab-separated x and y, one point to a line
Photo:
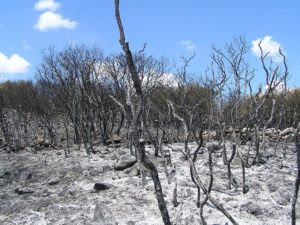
91	95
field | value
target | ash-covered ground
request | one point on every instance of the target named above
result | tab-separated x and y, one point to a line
48	188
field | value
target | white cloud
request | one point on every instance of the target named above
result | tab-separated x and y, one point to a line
51	20
42	5
269	46
169	79
188	45
13	65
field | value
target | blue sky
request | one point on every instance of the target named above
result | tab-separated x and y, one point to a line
170	28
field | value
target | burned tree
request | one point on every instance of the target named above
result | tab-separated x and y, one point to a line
136	120
231	67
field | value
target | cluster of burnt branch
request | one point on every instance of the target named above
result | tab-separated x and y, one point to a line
79	97
235	115
82	97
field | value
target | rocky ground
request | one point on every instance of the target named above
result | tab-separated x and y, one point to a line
47	188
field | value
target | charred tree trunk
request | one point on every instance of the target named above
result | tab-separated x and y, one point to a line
136	120
153	141
229	166
200	144
211	180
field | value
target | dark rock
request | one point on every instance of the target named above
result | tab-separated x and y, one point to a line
24	190
101	186
115	139
58	153
124	164
53	181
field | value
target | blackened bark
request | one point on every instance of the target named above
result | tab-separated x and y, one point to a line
229	167
139	146
198	203
245	187
200	144
153	141
211	180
